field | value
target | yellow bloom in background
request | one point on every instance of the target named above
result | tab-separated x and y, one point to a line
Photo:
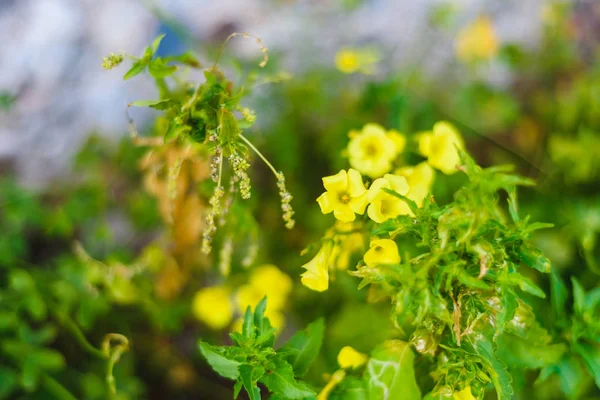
316	276
345	245
477	41
345	195
350	358
350	60
211	305
247	295
382	251
439	146
464	394
371	151
398	138
273	283
383	205
420	179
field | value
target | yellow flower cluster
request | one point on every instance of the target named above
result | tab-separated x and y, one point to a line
372	150
477	41
350	60
216	305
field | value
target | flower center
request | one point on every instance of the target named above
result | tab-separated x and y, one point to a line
371	149
344	198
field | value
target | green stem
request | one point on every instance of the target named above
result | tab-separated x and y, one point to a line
72	327
260	155
58	391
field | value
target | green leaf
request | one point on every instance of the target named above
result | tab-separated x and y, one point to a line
222	365
591	357
248	324
156	42
526	285
304	346
250	375
8	381
495	369
259	316
578	296
466	279
156	104
237	389
537	226
559	294
136	69
508	300
390	373
187	58
512	204
280	380
159	69
518	352
229	126
47	359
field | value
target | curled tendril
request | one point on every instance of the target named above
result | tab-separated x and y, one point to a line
113	353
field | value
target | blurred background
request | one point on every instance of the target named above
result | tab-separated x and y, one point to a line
84	234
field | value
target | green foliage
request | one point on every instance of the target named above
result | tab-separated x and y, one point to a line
253	359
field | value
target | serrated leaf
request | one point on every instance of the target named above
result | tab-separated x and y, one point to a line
527	285
136	69
248	324
280	380
221	364
259	315
249	375
390	373
229	126
304	346
495	369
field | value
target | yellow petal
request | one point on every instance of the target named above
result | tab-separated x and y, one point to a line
375	191
316	276
398	139
374	212
337	182
344	213
397	183
382	251
336	378
350	358
325	203
356	187
424	139
358	204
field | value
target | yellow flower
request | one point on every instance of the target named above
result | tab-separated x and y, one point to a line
211	305
439	146
398	139
335	379
247	295
372	151
316	276
420	179
384	205
350	358
345	195
477	41
273	283
350	60
382	251
464	394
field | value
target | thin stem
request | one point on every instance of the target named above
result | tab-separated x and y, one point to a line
58	391
79	336
260	155
220	170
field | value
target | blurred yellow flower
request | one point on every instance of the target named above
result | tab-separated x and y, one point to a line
382	251
211	305
372	150
271	282
439	146
316	276
247	295
345	195
477	41
350	60
345	244
350	358
420	179
383	205
335	379
464	394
